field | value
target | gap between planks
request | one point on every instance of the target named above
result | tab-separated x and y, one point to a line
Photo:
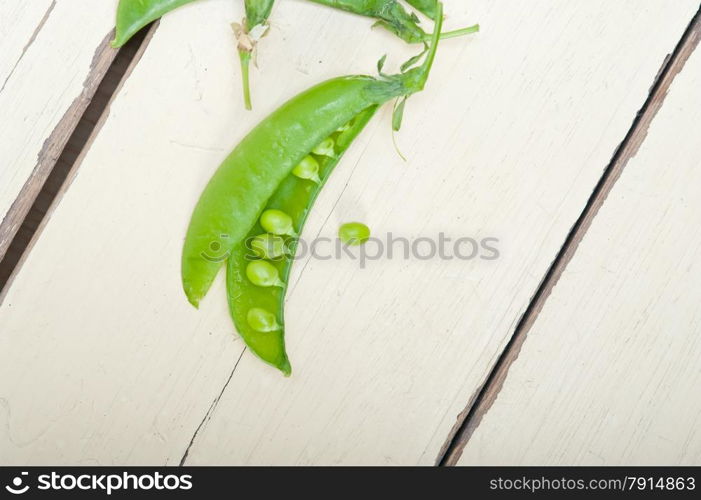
63	152
55	143
483	400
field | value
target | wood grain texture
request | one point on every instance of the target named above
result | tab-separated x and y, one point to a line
484	400
610	371
53	55
510	137
62	172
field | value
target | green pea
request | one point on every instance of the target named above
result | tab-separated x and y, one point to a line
262	321
277	222
326	148
308	169
354	233
262	273
268	246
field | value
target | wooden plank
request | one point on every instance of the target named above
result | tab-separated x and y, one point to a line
609	372
508	141
484	399
53	55
88	125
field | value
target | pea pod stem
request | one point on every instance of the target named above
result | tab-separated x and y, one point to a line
248	33
245	65
446	35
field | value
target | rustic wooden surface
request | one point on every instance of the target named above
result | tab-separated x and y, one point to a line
53	55
102	360
611	369
629	148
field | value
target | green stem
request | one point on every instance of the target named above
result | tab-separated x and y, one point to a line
245	63
457	33
428	63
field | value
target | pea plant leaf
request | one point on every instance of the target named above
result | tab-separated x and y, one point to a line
411	62
398	114
381	63
426	7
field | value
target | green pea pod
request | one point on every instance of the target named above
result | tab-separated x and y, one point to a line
295	196
254	26
258	195
132	15
392	16
239	190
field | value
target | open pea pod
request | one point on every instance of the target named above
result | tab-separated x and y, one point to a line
258	191
259	267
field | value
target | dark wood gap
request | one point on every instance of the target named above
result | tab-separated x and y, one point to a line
483	400
56	181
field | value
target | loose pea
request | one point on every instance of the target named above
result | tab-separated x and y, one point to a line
354	233
277	222
268	246
325	148
308	169
262	321
262	273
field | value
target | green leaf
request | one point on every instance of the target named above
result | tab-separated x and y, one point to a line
398	114
381	63
411	62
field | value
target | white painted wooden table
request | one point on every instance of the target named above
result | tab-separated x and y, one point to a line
53	54
102	361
